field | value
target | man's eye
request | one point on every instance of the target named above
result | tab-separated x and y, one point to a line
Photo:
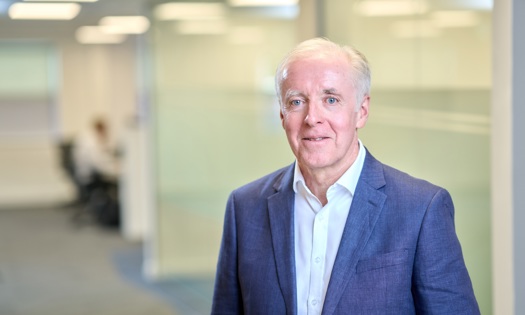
331	100
296	102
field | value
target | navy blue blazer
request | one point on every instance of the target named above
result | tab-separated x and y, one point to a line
399	253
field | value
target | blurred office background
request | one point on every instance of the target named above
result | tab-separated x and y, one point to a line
188	91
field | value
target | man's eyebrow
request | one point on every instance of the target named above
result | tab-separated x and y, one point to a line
291	93
330	91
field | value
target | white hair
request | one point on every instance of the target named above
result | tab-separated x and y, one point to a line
324	48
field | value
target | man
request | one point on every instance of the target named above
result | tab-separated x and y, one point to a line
96	174
337	232
94	156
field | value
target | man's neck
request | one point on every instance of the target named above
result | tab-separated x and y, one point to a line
318	183
318	180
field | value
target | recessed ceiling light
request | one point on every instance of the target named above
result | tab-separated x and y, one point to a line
391	7
96	35
189	11
262	3
125	24
44	11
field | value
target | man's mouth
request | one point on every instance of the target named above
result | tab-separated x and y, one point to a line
315	139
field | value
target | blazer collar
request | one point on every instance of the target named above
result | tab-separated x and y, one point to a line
366	207
281	213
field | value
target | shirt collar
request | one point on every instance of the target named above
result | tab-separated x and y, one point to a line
349	178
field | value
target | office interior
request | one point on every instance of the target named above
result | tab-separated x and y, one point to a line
189	95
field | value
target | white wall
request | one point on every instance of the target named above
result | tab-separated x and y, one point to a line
92	80
97	80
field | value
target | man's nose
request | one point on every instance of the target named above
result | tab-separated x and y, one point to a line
314	115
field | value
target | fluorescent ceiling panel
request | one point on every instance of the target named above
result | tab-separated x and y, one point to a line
44	11
262	3
391	7
96	35
189	11
125	24
275	12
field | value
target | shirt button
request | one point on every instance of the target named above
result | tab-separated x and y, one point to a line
314	302
318	259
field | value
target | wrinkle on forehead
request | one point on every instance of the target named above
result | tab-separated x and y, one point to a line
332	71
292	93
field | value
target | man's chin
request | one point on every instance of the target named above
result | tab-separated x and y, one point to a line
313	165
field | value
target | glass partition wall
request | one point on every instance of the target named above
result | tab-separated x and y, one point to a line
216	119
429	116
217	123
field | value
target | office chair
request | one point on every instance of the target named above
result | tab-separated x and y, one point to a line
96	201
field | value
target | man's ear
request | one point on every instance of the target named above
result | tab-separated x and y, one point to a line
362	113
282	117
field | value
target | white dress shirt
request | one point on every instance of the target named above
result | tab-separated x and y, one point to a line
318	232
91	155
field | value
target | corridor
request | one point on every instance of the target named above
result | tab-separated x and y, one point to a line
51	266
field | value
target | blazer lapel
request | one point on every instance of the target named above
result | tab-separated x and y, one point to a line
281	213
366	206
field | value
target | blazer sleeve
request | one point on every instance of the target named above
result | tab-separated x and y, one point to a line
441	284
227	298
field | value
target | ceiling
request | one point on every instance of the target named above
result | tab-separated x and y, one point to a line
90	14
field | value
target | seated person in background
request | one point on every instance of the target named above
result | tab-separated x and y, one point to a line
96	171
93	155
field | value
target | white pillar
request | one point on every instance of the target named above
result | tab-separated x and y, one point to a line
518	145
508	158
311	21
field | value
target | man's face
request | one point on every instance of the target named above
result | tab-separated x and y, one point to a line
319	114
